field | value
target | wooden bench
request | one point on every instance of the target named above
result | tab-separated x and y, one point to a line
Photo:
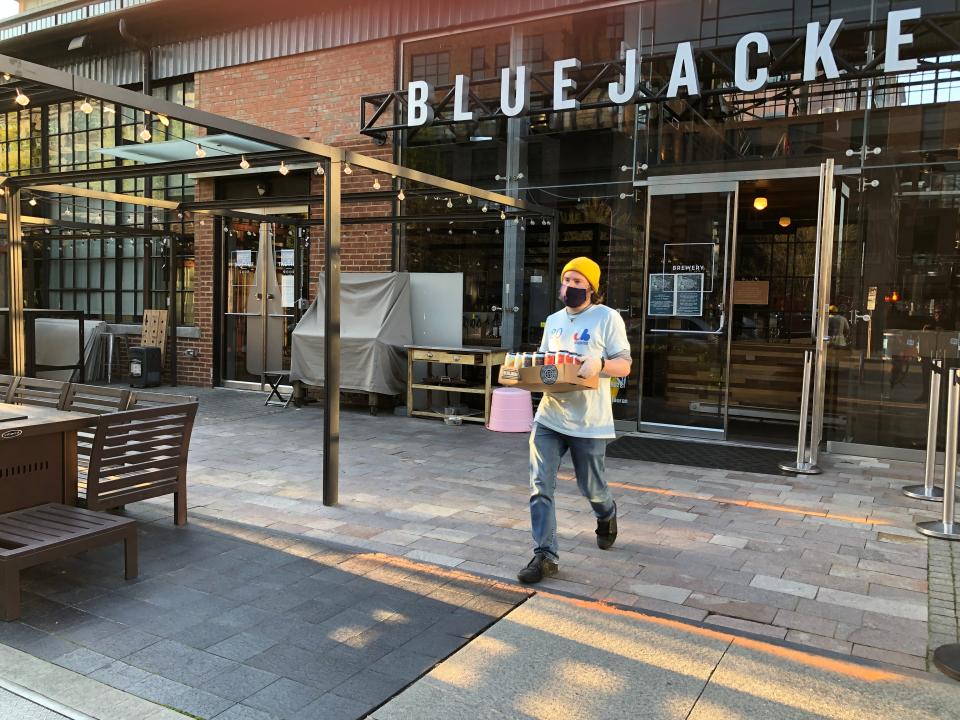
50	532
138	454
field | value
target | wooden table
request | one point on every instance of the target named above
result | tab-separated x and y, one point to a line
38	455
485	357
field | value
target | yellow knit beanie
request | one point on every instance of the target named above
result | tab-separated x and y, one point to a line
586	267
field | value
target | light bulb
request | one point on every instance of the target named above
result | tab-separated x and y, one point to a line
376	183
244	163
760	203
449	203
450	232
201	153
401	195
32	202
85	107
164	120
496	231
284	170
503	215
784	222
347	170
22	100
319	169
7	76
145	134
483	208
543	222
469	200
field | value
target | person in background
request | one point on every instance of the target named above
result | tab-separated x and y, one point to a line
580	421
838	328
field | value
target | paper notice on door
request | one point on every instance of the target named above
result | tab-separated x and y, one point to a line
243	258
286	258
288	294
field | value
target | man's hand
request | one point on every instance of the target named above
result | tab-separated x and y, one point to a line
590	367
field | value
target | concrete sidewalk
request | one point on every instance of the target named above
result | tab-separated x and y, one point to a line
557	657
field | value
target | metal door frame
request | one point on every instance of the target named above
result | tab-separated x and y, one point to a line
687	185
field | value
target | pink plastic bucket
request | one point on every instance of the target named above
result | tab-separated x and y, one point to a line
511	410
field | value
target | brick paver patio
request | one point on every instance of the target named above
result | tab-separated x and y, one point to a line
830	561
270	605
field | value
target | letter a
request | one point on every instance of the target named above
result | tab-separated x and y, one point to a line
684	72
820	50
419	111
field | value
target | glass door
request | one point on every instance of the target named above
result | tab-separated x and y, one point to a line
690	243
263	289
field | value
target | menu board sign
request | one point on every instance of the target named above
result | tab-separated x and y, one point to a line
676	294
662	301
689	294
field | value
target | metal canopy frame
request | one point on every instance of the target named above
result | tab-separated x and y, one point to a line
42	80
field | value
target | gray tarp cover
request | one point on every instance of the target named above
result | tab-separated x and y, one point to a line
375	325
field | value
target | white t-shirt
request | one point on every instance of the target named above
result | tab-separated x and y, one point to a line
599	332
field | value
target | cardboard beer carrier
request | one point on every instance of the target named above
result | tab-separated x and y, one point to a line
545	378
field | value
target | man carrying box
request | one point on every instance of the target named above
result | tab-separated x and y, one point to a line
580	421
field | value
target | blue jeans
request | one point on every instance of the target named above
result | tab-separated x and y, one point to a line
547	448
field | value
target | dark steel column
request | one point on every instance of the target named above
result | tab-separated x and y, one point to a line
172	314
18	346
331	324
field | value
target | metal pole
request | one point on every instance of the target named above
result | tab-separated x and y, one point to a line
15	299
172	314
331	345
802	465
946	528
823	306
928	491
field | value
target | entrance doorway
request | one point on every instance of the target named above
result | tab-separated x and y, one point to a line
729	298
266	270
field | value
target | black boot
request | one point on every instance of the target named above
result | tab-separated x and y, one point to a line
537	569
607	531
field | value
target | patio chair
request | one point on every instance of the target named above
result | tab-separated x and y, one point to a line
138	454
6	386
96	400
36	391
146	399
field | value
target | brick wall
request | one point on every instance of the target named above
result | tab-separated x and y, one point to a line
315	95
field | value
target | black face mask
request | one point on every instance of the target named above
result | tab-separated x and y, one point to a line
574	297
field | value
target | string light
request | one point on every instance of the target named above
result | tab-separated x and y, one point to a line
376	183
484	208
319	169
401	195
7	76
449	203
145	134
469	200
201	153
503	215
347	170
284	170
85	107
32	202
244	163
21	99
164	120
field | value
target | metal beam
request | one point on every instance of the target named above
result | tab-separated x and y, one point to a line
108	196
15	298
331	331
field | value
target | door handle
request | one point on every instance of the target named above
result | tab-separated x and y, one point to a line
496	308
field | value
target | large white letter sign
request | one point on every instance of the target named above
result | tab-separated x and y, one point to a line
419	110
521	96
630	79
561	84
741	70
895	38
684	72
820	50
461	99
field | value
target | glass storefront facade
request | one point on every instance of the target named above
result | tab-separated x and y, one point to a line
705	212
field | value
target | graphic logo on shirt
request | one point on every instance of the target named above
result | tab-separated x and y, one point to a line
556	332
582	337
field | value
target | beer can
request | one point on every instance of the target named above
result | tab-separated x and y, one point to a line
527	360
509	361
539	359
550	359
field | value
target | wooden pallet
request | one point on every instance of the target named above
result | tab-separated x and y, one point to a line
155	330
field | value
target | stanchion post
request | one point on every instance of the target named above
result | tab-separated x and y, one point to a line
803	466
928	491
946	528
